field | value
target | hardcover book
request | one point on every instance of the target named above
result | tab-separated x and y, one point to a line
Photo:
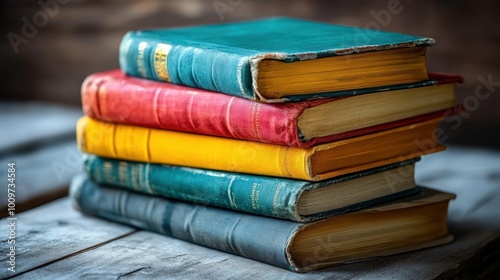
316	163
404	225
277	59
113	96
276	197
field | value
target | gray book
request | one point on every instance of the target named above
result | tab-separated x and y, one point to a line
408	224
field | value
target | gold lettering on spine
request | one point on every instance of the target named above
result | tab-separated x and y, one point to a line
135	177
255	197
275	199
108	172
141	66
122	172
160	61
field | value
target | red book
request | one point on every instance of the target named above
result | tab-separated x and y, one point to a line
112	96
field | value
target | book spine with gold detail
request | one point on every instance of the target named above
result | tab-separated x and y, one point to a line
115	97
182	63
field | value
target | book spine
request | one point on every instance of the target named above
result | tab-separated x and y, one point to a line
177	61
143	144
225	230
269	196
117	98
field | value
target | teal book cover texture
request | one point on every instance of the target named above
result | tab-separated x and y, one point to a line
262	195
225	57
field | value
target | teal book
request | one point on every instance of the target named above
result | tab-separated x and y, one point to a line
278	59
404	225
296	200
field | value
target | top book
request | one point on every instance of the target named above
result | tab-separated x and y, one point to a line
277	59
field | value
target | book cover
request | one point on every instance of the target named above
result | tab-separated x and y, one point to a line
112	96
233	61
316	163
261	195
409	224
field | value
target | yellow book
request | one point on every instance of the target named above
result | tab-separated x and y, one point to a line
202	151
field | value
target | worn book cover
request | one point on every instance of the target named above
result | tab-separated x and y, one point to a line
316	163
277	59
112	96
404	225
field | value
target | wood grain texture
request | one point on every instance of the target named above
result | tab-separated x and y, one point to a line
52	232
42	174
40	140
34	124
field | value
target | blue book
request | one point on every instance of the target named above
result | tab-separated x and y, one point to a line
296	200
409	224
278	59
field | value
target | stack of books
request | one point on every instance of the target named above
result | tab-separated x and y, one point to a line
286	141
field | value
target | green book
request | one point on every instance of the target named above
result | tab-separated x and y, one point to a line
296	200
278	59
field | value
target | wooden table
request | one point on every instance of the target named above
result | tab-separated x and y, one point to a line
55	241
40	139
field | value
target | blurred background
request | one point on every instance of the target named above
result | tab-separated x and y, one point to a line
74	38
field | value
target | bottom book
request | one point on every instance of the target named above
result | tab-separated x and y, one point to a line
404	225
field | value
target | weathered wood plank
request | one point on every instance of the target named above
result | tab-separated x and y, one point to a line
42	175
472	173
54	231
29	125
40	139
149	255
